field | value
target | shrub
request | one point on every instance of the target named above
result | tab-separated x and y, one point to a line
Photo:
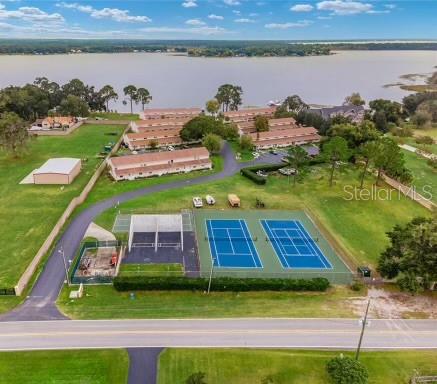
196	378
221	284
345	370
425	140
246	142
357	286
250	172
432	163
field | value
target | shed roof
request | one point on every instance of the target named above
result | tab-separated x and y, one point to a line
62	165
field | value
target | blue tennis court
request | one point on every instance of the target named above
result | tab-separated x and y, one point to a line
231	244
293	245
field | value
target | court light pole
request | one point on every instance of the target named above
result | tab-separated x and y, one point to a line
210	275
62	253
363	327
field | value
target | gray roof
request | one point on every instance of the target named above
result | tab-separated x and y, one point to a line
61	165
327	112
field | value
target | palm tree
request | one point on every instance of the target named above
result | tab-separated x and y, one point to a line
108	93
297	157
143	96
131	92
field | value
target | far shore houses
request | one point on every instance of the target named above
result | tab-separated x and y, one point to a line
131	167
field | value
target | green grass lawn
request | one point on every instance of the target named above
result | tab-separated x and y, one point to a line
251	366
350	222
245	154
424	176
115	116
75	367
104	302
151	270
28	212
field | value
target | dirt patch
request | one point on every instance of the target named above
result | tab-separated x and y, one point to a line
396	305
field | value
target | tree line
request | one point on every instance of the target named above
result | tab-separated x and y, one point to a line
20	106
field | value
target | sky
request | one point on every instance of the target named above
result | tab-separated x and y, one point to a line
219	19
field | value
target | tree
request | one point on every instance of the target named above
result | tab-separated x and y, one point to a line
107	93
345	370
246	142
200	126
131	92
294	104
368	151
261	125
412	254
297	157
311	119
355	135
335	150
385	111
75	87
212	143
143	96
229	97
212	106
388	158
13	133
74	106
354	99
421	119
196	378
153	144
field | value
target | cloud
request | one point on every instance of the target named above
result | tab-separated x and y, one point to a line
302	8
31	14
114	14
196	31
215	17
344	8
390	6
236	12
189	4
324	17
244	20
195	22
232	3
299	24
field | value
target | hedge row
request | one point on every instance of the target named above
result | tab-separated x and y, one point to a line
222	284
250	172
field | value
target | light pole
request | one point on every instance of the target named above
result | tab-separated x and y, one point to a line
62	253
363	327
210	275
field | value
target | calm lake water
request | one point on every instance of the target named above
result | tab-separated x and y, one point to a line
185	81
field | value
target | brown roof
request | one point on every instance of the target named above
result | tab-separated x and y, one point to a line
160	141
284	133
59	119
127	171
282	121
171	112
289	140
250	112
194	153
154	134
163	122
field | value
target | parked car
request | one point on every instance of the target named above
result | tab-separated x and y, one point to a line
170	148
197	202
210	200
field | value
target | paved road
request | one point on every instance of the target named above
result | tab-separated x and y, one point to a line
277	333
40	305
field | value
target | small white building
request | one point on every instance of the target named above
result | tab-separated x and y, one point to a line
57	171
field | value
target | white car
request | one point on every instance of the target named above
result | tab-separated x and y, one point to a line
210	200
197	202
170	148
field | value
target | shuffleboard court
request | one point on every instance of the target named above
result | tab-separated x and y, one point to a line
293	245
231	244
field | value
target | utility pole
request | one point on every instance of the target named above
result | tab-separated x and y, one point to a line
363	327
210	275
61	251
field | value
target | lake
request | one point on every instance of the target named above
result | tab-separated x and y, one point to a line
187	81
